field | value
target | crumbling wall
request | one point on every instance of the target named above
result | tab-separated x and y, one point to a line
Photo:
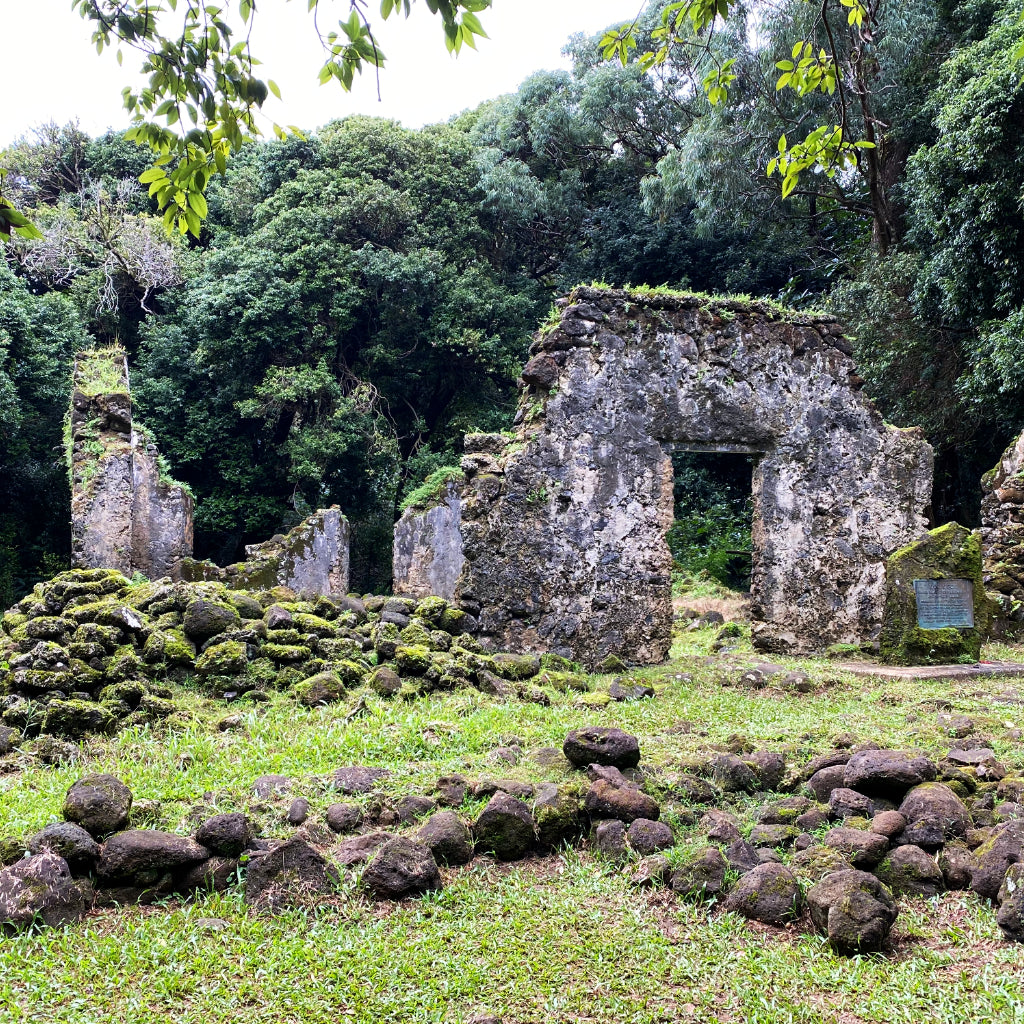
125	514
1002	538
312	559
563	526
427	559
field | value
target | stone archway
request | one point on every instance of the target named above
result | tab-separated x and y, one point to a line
563	525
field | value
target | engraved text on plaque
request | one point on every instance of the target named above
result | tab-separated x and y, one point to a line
943	603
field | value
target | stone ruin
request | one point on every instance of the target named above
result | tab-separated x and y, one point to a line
312	560
126	514
1002	537
427	559
562	524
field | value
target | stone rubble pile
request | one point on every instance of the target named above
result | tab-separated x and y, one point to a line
90	651
859	830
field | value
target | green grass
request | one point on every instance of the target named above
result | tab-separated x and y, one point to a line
560	938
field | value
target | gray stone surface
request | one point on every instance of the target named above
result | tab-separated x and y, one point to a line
125	514
427	558
563	527
1002	538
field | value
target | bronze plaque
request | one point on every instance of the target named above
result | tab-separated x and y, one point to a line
944	603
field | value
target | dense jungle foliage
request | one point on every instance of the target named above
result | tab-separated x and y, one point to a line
361	297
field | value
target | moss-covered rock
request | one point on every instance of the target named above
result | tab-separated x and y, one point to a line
76	718
205	618
950	552
124	664
612	663
413	661
287	653
416	635
171	647
323	688
516	666
50	627
384	681
129	693
245	604
313	625
226	659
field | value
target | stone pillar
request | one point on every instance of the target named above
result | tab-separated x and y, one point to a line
428	558
125	513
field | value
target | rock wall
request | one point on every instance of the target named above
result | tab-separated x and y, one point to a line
312	559
428	559
125	514
1002	538
563	526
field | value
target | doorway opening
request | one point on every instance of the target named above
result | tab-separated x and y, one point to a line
710	537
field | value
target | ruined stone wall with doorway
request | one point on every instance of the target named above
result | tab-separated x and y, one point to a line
563	524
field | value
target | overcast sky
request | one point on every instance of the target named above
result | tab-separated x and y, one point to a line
50	70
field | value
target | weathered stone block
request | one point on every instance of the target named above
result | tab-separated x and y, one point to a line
427	558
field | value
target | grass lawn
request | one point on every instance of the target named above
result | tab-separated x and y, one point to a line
558	938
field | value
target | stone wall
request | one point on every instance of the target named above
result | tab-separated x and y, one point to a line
427	559
563	526
1002	537
312	559
125	514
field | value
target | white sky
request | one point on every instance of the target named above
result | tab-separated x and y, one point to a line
49	69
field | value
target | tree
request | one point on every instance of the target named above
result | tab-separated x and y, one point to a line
839	65
203	87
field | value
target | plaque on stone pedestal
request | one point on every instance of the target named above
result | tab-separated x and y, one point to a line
945	603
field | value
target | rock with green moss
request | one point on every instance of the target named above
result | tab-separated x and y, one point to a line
909	871
432	609
416	635
612	663
50	627
556	809
129	693
169	646
385	640
385	682
125	664
948	553
205	618
454	621
556	663
323	688
516	666
76	718
245	604
313	625
287	653
226	659
413	661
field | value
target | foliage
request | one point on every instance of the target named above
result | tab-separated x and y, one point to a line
423	495
38	338
201	82
710	535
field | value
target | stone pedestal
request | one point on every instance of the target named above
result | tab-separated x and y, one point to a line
926	609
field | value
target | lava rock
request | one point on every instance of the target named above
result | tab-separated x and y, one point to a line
887	773
1010	916
298	811
784	812
862	849
703	877
888	823
769	893
773	835
270	785
451	790
505	828
742	857
815	862
937	802
733	775
648	837
225	835
401	868
447	837
651	871
823	781
848	803
357	779
603	800
601	745
344	817
610	839
854	910
215	874
70	841
99	803
720	827
556	809
909	871
290	873
993	858
40	889
359	849
205	619
769	766
955	863
138	852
